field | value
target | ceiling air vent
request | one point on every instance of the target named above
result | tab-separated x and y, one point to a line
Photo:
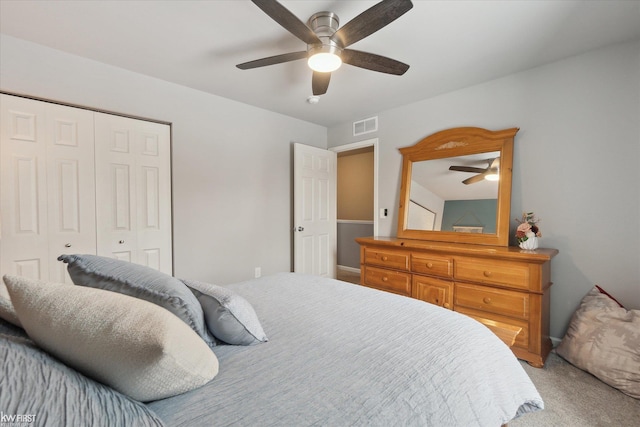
365	126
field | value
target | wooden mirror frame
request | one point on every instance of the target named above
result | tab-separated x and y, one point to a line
461	142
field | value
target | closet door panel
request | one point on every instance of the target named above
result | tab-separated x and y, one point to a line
154	196
134	191
115	187
23	193
71	185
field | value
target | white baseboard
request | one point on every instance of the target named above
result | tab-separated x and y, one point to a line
349	269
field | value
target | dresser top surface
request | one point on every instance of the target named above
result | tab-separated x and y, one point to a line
539	255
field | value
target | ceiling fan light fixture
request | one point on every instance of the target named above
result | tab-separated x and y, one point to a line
492	176
324	58
326	40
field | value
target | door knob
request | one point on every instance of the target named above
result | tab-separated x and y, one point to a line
67	245
121	241
300	229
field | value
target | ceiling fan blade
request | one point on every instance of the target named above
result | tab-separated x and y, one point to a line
370	21
288	20
320	83
271	60
373	62
467	169
474	179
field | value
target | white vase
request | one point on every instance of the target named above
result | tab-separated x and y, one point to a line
530	244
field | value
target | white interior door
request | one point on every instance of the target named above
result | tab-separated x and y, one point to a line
48	193
314	189
133	182
116	202
153	170
23	151
70	186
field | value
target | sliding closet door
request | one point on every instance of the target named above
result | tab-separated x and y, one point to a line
47	187
133	185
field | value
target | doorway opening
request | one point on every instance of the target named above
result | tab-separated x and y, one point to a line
357	203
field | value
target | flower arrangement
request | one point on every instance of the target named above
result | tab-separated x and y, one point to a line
528	227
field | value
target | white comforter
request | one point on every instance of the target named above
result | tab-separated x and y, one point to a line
343	355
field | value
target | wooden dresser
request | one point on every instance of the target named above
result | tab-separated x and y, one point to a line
505	288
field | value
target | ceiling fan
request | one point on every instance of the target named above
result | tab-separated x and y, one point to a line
490	173
327	45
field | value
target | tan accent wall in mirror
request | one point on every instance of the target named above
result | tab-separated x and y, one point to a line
446	193
355	185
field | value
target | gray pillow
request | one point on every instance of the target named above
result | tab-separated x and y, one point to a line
140	282
129	344
56	394
230	317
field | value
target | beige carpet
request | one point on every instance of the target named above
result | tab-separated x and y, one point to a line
576	398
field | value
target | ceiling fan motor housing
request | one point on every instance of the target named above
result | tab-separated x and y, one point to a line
324	23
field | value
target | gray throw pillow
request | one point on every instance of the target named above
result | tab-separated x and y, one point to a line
230	317
140	282
129	344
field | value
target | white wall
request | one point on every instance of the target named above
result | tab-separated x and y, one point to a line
426	197
577	160
231	161
576	164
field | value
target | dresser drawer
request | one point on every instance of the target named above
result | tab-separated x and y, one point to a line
389	259
492	300
432	290
497	272
432	265
387	280
489	320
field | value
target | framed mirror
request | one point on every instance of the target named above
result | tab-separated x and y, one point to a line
456	187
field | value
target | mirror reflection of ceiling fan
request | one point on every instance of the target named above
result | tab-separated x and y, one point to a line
327	44
490	173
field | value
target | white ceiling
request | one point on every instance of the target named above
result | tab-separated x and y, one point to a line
436	177
448	44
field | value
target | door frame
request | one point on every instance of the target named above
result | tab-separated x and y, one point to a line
373	142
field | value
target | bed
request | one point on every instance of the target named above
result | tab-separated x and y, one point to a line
337	354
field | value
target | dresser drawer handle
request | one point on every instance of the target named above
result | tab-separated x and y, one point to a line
385	279
487	274
486	300
384	258
429	265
